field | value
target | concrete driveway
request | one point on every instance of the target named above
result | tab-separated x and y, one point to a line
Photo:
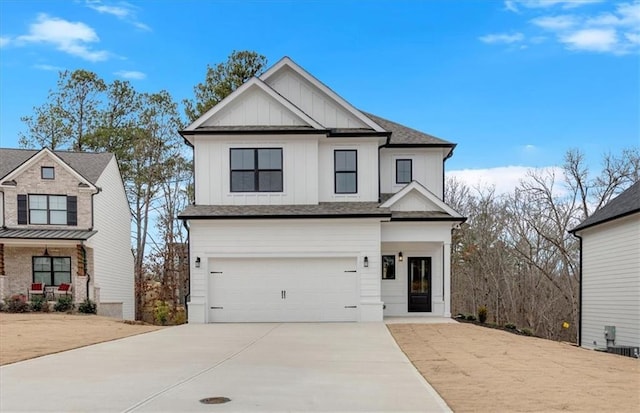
260	367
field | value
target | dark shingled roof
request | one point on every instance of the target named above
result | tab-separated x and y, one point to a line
624	204
322	210
403	135
88	164
46	234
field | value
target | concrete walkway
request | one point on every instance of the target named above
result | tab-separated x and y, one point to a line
260	367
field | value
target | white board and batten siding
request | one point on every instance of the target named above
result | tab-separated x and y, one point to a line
113	259
334	241
427	168
313	101
367	170
299	169
611	282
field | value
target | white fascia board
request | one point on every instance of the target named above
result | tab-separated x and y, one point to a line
416	186
41	154
255	82
286	61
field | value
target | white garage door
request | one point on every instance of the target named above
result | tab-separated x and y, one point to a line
282	289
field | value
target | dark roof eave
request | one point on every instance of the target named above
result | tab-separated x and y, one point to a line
345	134
420	145
593	224
288	216
440	219
305	131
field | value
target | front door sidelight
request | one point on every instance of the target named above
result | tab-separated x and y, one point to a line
419	298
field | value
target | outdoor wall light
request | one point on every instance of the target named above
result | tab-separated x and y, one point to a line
400	256
366	262
197	262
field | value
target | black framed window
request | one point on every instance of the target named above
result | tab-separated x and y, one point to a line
346	171
256	169
48	209
404	169
388	267
47	172
52	270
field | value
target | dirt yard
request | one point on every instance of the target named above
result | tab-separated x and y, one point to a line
24	336
477	369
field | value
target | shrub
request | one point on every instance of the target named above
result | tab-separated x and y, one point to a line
527	331
471	317
161	312
180	317
38	303
88	307
17	303
64	304
460	316
482	314
510	326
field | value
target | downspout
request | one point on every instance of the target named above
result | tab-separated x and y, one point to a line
379	178
579	292
188	294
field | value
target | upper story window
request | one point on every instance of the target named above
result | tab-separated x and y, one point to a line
346	171
256	170
35	209
47	172
404	171
48	209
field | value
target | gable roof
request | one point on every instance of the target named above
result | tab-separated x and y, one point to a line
397	134
445	213
626	203
89	165
255	83
403	135
288	63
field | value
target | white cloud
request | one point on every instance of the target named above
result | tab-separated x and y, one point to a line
123	11
543	4
594	40
50	68
504	178
561	22
73	38
4	40
633	37
131	74
502	38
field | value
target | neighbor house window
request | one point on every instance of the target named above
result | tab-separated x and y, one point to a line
346	171
47	172
388	267
256	170
403	171
52	270
48	209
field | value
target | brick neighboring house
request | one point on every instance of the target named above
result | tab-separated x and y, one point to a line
64	218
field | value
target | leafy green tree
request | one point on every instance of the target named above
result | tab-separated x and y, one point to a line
222	79
46	127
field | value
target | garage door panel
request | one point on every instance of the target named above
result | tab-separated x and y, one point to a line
283	289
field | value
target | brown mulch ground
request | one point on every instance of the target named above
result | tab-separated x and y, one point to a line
477	369
29	335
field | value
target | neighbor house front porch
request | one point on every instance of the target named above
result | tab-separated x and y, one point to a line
51	261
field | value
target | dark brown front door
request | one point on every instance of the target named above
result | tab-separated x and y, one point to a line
419	284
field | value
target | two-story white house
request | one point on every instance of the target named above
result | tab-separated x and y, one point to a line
64	218
308	209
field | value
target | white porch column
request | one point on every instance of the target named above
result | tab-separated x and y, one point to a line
446	268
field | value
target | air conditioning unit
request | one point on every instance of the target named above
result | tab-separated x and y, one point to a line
628	351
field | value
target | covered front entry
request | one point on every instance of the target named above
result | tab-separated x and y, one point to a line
306	289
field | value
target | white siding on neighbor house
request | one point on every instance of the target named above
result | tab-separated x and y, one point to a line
295	238
427	164
611	282
367	164
113	260
299	169
313	101
255	107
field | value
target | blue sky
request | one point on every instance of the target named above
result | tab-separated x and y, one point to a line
513	83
